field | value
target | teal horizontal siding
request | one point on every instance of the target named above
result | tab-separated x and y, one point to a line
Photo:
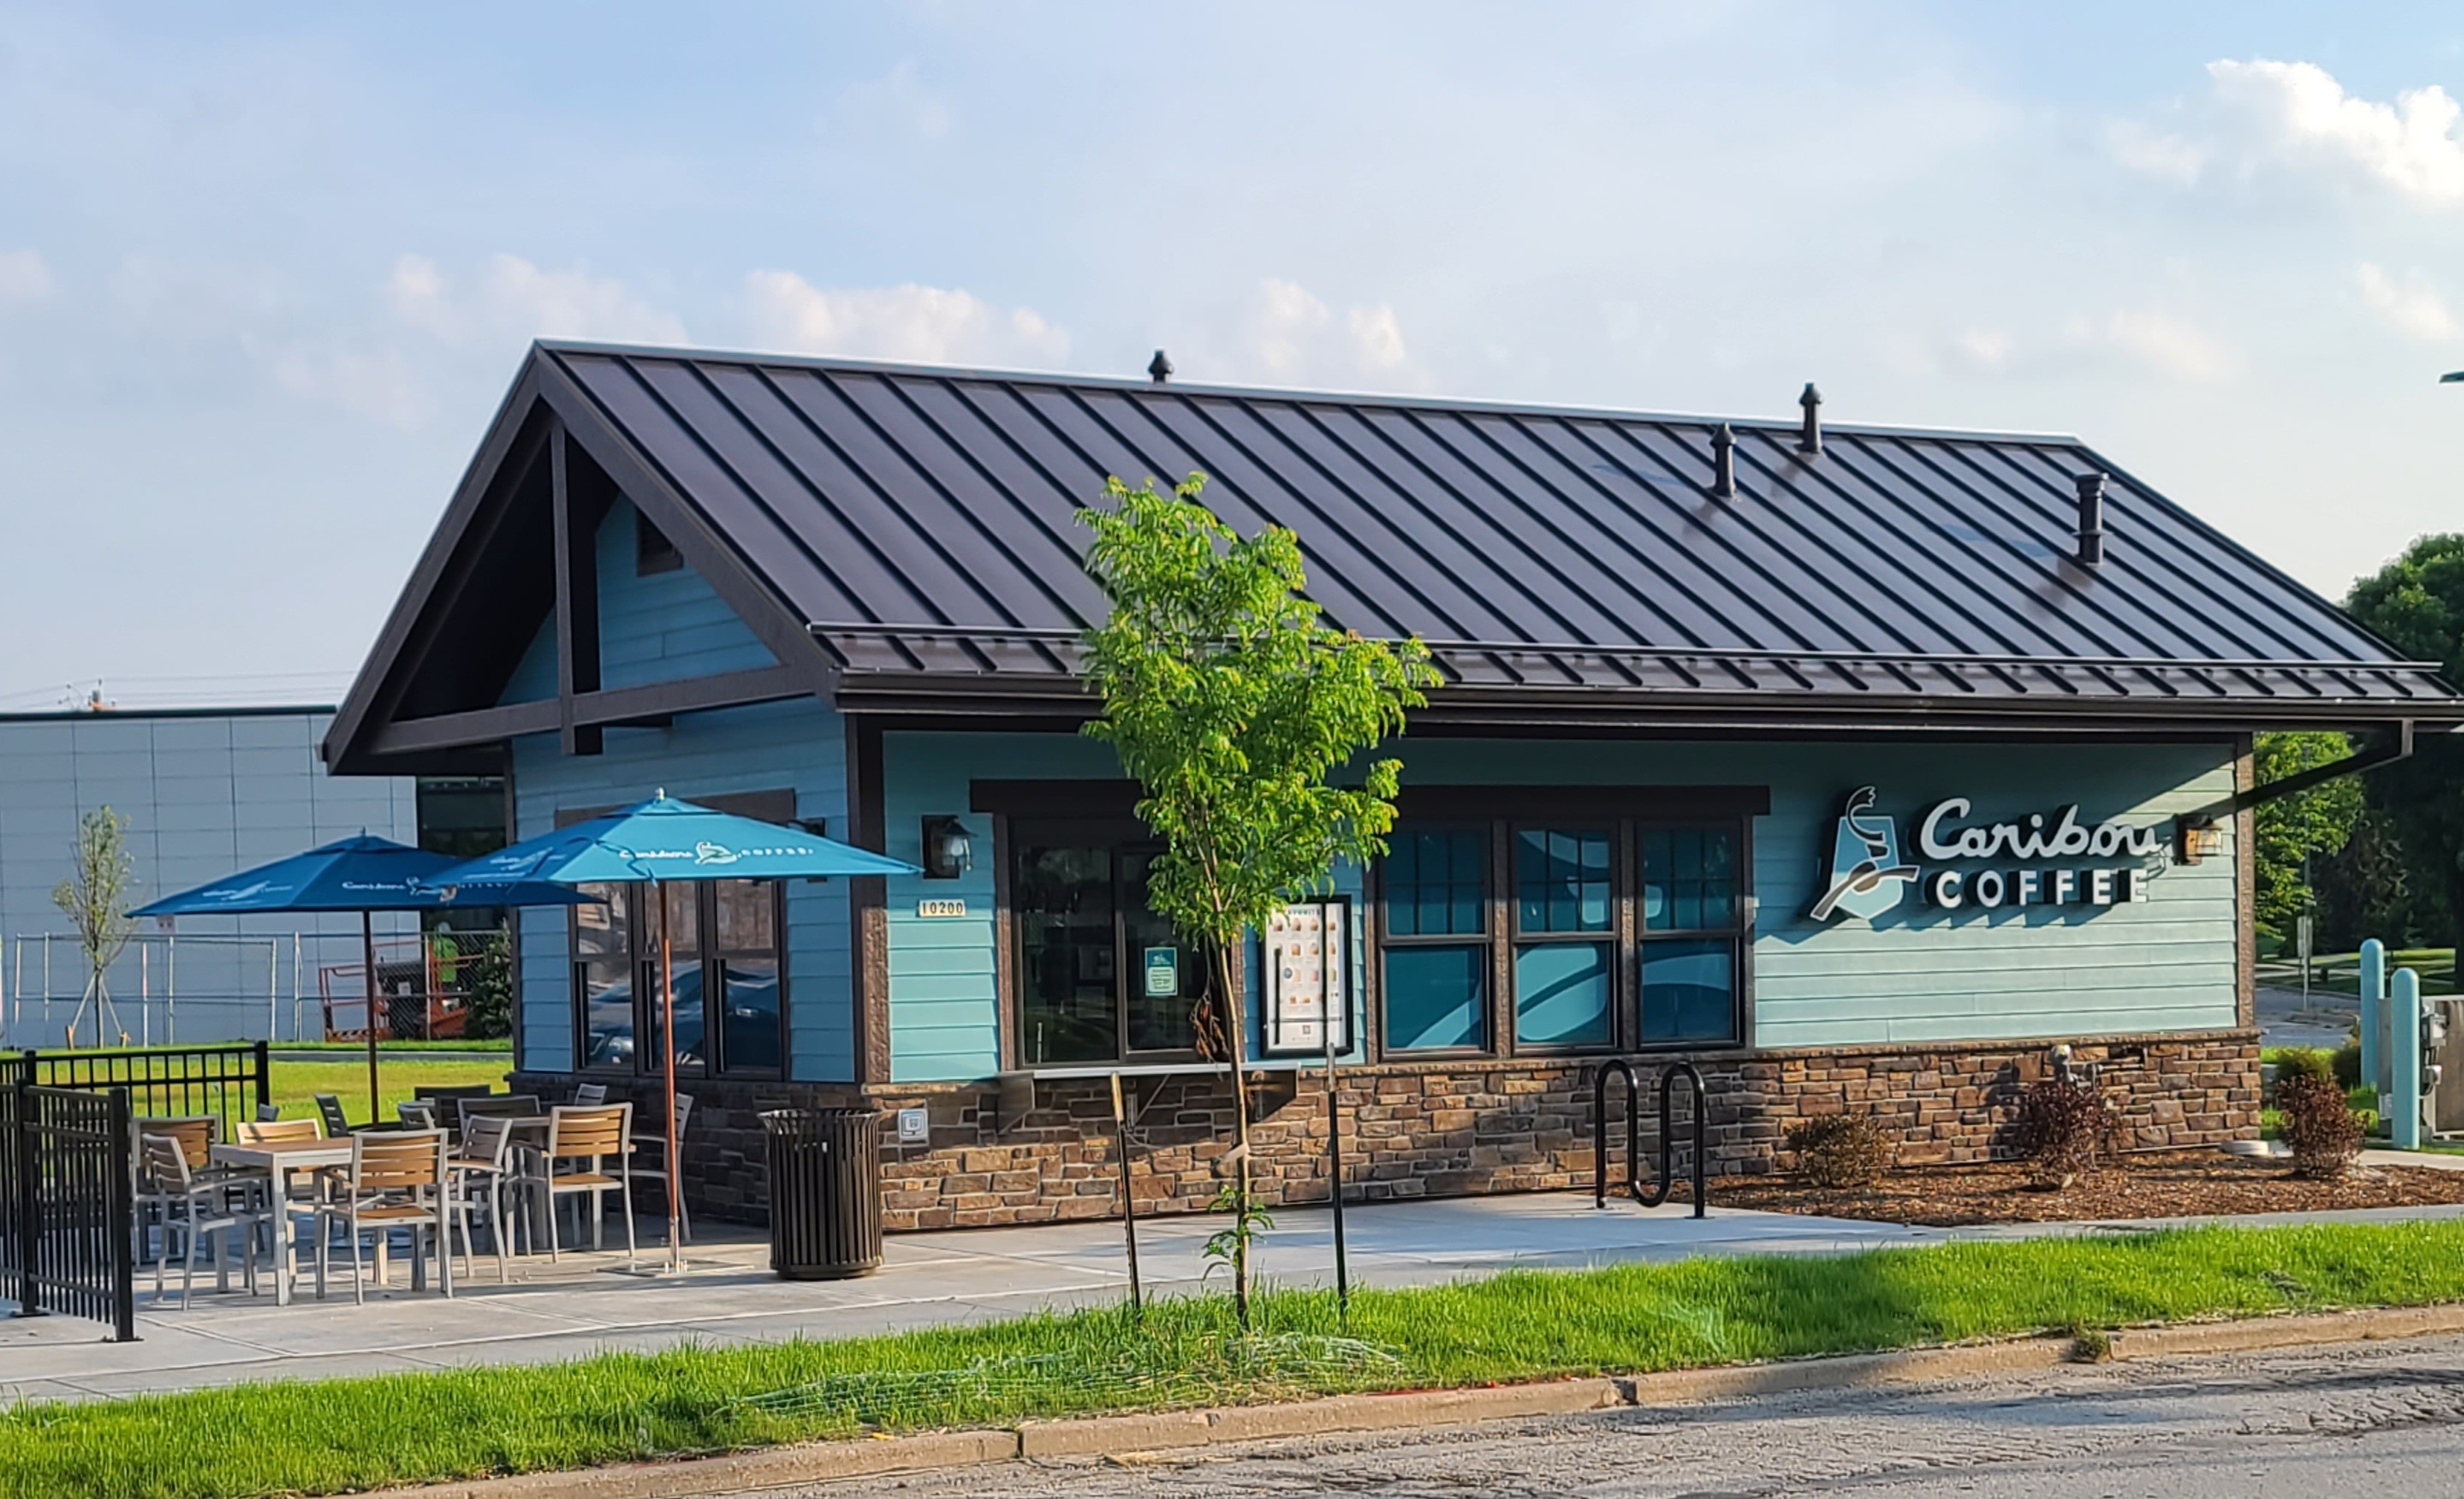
800	745
944	986
666	626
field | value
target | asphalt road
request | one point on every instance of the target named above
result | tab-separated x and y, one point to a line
2360	1420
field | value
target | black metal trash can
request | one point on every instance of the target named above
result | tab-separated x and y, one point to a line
824	1192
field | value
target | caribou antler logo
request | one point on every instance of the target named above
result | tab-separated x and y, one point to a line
1867	875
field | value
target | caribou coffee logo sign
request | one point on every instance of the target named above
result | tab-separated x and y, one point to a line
1869	874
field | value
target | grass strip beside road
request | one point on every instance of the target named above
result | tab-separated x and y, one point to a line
339	1435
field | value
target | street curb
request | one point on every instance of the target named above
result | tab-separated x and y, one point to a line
1155	1431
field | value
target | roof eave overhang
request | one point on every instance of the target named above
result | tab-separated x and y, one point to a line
1527	708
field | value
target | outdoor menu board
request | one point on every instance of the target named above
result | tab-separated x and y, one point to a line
1308	963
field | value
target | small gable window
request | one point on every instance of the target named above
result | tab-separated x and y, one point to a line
652	551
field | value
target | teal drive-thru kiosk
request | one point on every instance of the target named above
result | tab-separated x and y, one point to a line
1861	767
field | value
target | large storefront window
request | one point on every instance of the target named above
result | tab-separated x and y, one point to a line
1613	932
1087	989
724	956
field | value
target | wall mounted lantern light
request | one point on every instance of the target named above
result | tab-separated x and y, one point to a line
2197	841
948	850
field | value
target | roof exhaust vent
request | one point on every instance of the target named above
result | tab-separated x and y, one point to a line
1723	463
1159	368
2091	519
1809	436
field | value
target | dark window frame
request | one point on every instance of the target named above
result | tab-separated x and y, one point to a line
1382	935
640	958
1120	837
1629	814
1622	990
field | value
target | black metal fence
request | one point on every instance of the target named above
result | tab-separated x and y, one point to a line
67	1215
229	1082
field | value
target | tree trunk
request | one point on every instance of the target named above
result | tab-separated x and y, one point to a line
1236	1040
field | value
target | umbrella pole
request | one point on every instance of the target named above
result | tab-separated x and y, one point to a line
668	1001
369	954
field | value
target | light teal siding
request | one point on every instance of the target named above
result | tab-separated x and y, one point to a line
663	628
798	744
666	627
944	1012
1917	975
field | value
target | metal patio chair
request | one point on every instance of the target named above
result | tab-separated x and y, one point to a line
397	1179
589	1095
656	1142
573	1163
483	1172
329	1110
197	1211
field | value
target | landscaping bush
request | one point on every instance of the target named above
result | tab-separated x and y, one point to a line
2322	1128
2348	1066
2061	1128
2310	1062
1841	1150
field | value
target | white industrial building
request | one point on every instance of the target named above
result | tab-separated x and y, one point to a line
205	792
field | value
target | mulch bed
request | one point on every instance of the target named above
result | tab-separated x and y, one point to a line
2169	1185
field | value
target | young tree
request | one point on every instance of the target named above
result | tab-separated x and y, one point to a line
1231	701
2416	604
2291	829
95	897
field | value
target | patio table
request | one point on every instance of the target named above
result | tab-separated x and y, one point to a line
281	1159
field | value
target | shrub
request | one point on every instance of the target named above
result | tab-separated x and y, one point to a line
2061	1128
2309	1062
1841	1150
2322	1128
2348	1066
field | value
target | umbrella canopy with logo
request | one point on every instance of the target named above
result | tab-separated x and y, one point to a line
662	842
365	874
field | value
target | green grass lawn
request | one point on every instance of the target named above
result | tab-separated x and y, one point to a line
2339	973
331	1436
296	1084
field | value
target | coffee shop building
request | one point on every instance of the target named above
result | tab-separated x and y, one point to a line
1865	768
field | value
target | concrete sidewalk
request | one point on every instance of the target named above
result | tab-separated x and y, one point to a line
576	1308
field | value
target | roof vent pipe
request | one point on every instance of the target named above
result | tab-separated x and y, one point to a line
2091	519
1723	463
1159	368
1809	436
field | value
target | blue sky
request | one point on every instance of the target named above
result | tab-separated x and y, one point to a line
266	271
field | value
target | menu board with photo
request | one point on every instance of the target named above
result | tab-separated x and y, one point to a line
1308	957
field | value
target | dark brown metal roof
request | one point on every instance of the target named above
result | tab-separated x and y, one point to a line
923	523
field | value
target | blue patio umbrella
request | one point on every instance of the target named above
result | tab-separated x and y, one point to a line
365	874
662	841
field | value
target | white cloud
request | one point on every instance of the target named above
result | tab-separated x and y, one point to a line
2304	116
514	298
1290	336
919	324
24	277
2155	154
2412	305
379	385
2163	342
